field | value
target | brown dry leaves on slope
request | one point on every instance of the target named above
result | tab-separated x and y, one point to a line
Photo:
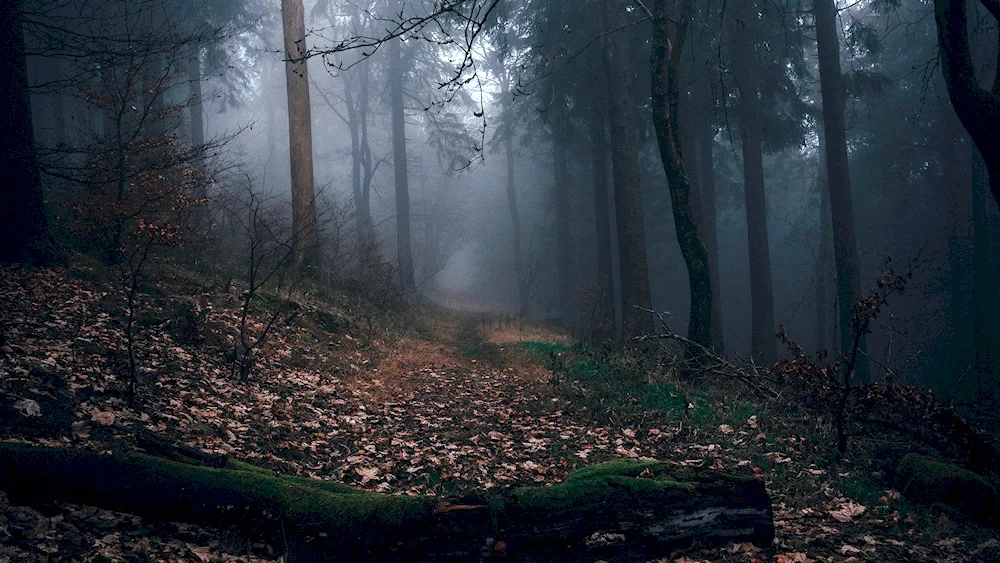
400	415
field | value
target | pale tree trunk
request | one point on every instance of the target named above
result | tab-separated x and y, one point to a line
632	264
523	289
839	179
605	278
195	101
664	68
403	248
306	236
357	117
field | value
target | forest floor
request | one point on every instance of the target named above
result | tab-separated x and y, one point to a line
430	402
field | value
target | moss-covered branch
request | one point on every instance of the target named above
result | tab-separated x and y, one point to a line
618	507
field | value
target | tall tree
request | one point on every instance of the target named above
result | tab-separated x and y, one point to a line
523	287
304	227
559	121
977	107
665	63
748	71
838	177
398	111
632	263
605	321
23	226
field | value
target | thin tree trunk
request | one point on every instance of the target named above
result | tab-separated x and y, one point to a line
634	273
300	140
823	269
839	178
747	72
195	102
23	225
560	162
664	63
403	249
983	332
515	216
708	227
606	290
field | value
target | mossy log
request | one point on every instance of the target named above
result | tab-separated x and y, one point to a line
931	480
620	510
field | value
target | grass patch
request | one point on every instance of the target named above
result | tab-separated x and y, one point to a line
470	344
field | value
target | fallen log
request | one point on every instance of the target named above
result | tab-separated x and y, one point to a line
620	509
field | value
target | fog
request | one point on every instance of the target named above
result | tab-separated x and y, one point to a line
491	86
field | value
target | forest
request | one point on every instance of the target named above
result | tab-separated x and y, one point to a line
477	280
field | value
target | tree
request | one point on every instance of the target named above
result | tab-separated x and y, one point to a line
523	287
664	63
24	230
632	264
605	321
306	241
397	108
838	176
747	69
977	107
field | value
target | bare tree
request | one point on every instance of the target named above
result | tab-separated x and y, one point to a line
665	62
845	248
634	271
300	139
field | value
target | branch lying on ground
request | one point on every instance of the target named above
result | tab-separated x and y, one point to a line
698	358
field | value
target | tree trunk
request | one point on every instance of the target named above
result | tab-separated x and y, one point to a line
977	108
747	73
24	231
605	318
195	101
664	71
404	251
706	165
559	121
634	273
304	227
823	269
621	508
839	178
983	301
515	216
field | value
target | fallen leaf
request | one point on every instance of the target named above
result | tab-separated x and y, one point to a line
847	511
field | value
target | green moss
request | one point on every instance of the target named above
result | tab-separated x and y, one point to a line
932	480
614	480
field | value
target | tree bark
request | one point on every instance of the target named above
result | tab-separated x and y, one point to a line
983	300
632	264
515	216
747	73
619	508
839	178
664	63
823	269
304	227
976	107
403	248
24	233
705	151
195	101
559	120
605	321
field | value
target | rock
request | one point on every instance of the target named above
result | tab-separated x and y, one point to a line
935	481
